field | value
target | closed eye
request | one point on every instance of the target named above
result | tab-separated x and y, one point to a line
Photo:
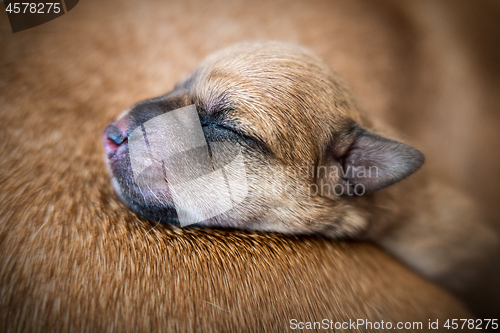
226	132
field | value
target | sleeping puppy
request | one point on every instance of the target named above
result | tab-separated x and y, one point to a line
265	136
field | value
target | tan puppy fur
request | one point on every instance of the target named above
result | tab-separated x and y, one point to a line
74	258
308	151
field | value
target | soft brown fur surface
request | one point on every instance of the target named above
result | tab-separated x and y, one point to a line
299	129
74	257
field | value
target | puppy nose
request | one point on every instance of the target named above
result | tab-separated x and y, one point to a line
115	134
113	137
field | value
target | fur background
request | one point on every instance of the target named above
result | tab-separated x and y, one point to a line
73	256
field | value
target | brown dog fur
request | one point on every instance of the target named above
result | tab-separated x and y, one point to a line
306	137
74	257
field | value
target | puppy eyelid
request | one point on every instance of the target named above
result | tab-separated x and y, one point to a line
246	137
225	127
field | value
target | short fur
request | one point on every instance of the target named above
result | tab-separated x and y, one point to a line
291	112
73	257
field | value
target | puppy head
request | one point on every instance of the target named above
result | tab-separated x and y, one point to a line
262	136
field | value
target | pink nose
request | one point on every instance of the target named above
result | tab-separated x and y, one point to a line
113	137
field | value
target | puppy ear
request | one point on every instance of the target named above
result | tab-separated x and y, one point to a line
377	162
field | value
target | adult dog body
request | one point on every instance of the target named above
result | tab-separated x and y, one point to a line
74	257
